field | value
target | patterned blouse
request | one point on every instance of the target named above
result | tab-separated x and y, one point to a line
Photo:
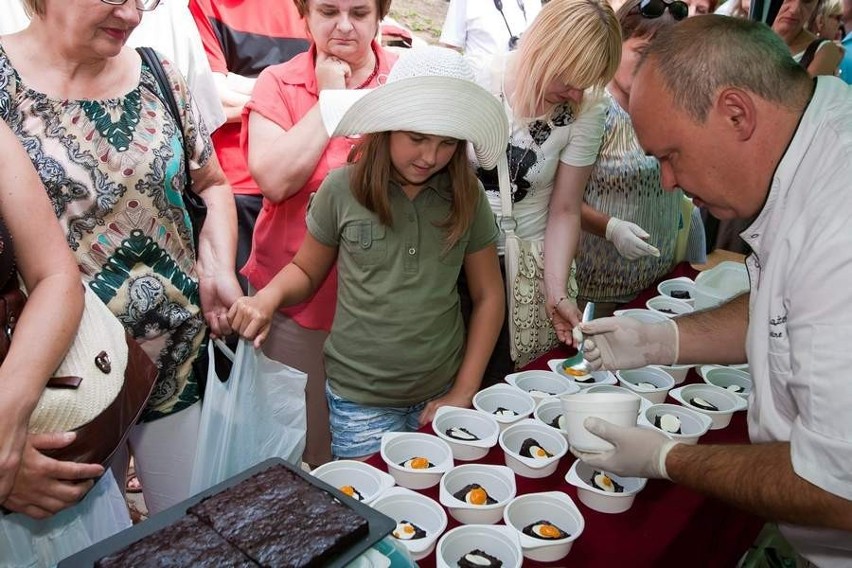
114	170
625	183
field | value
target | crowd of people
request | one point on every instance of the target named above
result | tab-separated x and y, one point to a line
353	226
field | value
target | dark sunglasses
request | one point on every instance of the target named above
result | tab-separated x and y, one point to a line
656	8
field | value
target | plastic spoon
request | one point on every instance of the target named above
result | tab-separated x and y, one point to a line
588	314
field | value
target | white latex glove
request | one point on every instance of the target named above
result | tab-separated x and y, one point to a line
625	343
639	452
629	239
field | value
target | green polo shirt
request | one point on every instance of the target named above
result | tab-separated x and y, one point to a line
398	335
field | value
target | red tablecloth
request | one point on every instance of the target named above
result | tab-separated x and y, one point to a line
668	525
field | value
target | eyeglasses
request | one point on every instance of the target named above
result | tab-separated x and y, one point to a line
656	8
144	5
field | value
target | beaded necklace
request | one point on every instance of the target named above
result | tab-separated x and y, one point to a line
372	75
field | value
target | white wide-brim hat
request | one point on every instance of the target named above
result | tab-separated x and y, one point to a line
430	90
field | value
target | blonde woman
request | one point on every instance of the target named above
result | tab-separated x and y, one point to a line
551	89
818	56
827	20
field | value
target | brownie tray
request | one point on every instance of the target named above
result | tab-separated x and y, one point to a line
380	525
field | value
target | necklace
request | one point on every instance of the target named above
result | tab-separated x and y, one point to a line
372	75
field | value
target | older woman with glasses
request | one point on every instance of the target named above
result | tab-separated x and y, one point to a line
112	158
630	222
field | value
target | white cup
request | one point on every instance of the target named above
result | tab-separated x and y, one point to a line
618	408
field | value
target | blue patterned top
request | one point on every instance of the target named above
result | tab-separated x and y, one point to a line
114	170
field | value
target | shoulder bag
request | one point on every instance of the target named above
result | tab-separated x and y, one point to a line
99	389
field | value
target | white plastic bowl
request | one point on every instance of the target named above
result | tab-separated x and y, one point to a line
618	408
548	411
644	316
643	402
369	481
677	372
668	306
497	480
728	377
513	437
632	379
402	504
499	541
720	283
597	377
541	384
488	400
580	476
693	424
723	399
553	506
479	424
398	447
682	284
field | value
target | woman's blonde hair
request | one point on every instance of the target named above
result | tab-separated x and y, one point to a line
371	176
576	42
382	6
33	7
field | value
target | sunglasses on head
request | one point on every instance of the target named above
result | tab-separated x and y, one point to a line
656	8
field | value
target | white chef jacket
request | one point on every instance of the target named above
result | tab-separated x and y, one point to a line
799	340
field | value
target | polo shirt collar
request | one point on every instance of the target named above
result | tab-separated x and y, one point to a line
439	184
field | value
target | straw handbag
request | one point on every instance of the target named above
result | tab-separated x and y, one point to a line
99	389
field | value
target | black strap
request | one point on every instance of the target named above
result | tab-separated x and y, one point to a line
810	52
195	205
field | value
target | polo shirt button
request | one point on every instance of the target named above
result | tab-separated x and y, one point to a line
411	218
412	251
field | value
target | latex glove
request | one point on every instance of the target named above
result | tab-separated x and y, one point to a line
626	343
639	452
629	239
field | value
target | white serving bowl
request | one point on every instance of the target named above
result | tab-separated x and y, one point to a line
482	425
488	400
402	504
693	424
643	402
677	372
541	384
554	507
618	408
499	541
399	447
497	480
580	476
549	410
632	379
644	316
513	437
682	284
728	377
723	399
720	283
585	381
369	481
669	307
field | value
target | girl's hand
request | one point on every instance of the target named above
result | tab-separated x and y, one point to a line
452	398
251	317
565	316
45	486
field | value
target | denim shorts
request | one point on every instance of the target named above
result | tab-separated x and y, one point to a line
356	429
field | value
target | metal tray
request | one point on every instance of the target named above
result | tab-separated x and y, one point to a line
380	525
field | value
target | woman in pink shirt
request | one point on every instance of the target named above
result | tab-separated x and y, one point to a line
289	155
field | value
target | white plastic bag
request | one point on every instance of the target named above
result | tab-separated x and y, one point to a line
259	413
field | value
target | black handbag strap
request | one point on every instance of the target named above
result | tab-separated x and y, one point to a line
810	52
149	56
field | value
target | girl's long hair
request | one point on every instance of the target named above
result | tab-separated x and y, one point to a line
372	174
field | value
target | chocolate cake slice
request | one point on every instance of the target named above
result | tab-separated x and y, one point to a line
187	542
279	519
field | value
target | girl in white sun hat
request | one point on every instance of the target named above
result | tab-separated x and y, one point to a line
400	222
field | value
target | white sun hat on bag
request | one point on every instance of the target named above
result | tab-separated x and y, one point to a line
430	90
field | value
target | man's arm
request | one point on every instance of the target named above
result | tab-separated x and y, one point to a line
758	478
714	336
